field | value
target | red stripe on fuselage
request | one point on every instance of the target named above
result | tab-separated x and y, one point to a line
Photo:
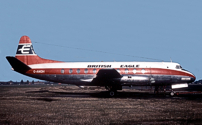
148	71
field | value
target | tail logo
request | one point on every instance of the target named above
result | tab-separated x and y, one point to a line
25	49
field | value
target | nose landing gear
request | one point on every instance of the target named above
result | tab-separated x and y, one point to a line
172	93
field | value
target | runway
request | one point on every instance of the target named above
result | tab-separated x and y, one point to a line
42	104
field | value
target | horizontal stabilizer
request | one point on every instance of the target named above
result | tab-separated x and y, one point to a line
17	64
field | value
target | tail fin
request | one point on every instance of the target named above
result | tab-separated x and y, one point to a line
25	53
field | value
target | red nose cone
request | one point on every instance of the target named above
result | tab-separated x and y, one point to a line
25	39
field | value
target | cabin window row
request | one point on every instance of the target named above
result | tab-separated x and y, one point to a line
77	71
94	71
134	71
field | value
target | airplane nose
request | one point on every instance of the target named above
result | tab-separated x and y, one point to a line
193	78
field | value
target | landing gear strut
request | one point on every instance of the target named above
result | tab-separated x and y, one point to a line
172	93
156	90
113	90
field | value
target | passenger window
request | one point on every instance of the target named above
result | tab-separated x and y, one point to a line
86	71
143	71
78	71
94	70
62	71
118	70
137	66
126	71
70	71
134	71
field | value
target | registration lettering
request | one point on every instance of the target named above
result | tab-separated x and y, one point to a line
38	71
185	79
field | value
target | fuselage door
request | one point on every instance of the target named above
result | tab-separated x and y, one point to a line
152	79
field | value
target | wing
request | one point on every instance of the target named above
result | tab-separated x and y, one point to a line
108	74
106	77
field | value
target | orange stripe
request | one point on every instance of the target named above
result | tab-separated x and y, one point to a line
148	71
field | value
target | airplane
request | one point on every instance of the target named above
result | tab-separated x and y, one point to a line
112	75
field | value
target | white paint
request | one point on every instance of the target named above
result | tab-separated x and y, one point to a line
179	86
152	80
25	47
143	71
26	54
81	87
134	71
185	79
25	44
86	80
135	78
114	65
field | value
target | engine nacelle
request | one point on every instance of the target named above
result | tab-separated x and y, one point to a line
135	80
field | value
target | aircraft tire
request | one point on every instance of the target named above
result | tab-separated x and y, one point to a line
172	93
112	93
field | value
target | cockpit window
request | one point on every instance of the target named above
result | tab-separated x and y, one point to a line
178	67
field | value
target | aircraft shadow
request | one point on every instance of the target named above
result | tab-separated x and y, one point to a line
105	94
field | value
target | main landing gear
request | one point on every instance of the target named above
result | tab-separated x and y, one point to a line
112	93
156	90
112	90
161	88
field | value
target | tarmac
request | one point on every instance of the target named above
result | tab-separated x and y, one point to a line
63	104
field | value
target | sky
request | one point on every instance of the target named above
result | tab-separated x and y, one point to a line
114	30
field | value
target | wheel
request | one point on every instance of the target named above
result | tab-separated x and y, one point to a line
112	93
172	93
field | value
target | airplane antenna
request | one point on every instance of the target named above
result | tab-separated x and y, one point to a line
99	51
171	60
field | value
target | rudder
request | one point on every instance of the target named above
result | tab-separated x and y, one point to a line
26	54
